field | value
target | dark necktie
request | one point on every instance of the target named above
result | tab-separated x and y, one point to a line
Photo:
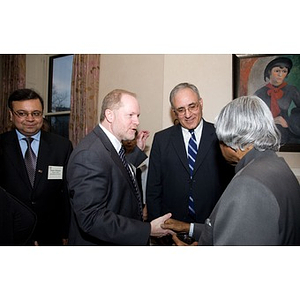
192	153
136	189
30	160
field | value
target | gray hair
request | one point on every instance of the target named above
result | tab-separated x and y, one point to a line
247	121
181	86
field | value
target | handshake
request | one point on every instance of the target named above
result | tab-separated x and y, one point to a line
177	229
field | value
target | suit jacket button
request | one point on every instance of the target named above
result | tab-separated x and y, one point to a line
33	203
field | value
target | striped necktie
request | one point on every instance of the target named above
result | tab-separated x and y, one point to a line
133	180
30	160
192	153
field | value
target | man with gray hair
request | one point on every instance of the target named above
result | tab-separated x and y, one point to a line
261	205
187	172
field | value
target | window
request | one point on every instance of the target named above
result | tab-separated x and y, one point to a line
59	94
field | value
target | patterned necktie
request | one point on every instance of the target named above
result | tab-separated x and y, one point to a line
192	153
136	189
30	160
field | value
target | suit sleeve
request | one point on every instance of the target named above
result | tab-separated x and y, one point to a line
246	214
17	221
66	204
154	185
136	157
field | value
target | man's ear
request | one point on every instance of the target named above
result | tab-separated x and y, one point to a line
109	115
10	115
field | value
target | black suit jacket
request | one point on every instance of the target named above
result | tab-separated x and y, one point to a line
169	180
17	221
48	198
104	205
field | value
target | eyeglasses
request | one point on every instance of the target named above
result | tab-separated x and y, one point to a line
24	114
193	107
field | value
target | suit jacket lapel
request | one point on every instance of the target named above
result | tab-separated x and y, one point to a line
208	136
43	155
178	143
15	155
113	153
179	146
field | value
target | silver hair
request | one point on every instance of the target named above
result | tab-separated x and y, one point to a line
181	86
247	121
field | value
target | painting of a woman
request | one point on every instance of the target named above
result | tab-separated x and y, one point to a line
282	98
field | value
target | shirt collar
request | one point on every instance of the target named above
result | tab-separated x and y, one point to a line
197	130
21	136
116	143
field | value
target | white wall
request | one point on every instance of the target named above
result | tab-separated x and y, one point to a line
152	77
212	75
141	74
37	74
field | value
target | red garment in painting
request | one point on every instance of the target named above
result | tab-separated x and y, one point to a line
276	93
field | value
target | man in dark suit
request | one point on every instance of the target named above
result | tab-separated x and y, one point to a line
171	183
46	191
106	207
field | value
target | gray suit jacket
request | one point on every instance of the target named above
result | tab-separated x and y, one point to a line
261	205
104	205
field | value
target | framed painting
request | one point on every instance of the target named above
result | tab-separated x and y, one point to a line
276	80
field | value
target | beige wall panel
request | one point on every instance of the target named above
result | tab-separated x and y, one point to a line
212	75
141	74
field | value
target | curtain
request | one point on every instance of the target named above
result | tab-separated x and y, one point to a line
13	77
84	96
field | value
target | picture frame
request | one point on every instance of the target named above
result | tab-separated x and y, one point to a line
249	77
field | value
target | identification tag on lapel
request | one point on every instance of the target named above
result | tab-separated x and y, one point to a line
55	172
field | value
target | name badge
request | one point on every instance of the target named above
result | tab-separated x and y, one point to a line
55	172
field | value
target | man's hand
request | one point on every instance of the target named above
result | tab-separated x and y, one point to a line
65	242
141	139
176	225
178	242
145	213
156	226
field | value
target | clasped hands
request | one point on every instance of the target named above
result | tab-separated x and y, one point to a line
178	227
170	226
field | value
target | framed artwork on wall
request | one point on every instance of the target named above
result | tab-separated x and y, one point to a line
276	80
